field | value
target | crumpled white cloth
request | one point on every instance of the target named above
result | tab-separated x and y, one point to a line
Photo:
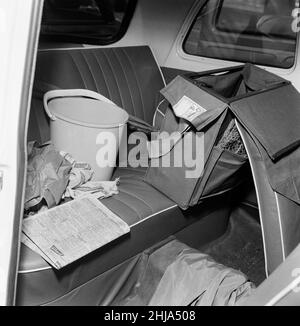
99	189
80	183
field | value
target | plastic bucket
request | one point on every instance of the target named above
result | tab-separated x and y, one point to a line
88	126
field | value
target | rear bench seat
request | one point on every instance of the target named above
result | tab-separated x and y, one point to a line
132	79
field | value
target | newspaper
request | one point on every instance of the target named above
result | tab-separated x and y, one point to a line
69	232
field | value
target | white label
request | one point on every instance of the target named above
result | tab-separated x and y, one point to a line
187	109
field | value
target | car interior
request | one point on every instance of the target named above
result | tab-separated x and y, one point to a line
79	49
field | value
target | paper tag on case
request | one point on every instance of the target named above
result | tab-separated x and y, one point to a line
187	109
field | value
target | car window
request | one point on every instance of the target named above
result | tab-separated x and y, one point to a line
86	21
256	31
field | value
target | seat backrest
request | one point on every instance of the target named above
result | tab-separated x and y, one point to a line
128	76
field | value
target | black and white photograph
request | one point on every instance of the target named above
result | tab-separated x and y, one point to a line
149	156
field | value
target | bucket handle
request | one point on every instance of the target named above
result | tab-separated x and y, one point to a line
71	93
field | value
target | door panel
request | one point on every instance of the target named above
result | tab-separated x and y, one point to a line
19	30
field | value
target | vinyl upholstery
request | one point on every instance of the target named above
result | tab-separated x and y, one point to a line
131	78
152	218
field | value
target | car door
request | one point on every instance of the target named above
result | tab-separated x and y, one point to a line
19	30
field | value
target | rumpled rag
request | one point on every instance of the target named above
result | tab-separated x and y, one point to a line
53	176
80	181
47	175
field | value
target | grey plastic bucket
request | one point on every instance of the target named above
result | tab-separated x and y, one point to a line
88	126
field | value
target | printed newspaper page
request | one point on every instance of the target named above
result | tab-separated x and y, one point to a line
68	232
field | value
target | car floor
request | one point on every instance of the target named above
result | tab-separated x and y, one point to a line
241	247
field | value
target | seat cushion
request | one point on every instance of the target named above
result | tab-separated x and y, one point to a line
151	216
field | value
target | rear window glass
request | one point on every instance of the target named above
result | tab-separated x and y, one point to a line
86	21
257	31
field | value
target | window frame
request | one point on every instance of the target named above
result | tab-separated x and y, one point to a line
77	39
215	62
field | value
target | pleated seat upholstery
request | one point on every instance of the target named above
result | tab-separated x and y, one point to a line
130	77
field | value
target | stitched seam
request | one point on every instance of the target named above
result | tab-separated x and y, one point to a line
138	198
103	75
280	228
137	213
154	214
90	70
116	80
130	180
139	86
76	66
131	97
132	177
